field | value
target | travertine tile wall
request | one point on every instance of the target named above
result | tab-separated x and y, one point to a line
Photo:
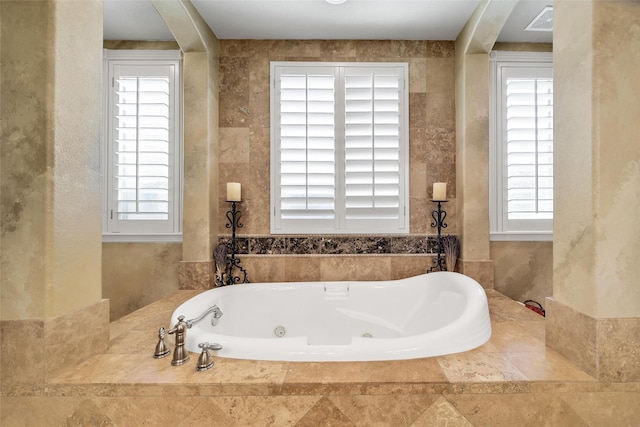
523	270
137	274
244	127
244	156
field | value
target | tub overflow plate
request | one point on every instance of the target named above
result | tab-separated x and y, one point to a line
279	331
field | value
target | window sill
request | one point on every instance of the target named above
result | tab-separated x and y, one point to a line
521	236
142	238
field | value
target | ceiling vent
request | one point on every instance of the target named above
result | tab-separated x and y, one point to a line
542	22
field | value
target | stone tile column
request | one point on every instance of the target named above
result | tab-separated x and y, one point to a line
200	199
200	173
472	136
594	315
52	310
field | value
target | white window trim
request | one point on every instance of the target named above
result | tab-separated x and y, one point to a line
497	230
404	153
139	57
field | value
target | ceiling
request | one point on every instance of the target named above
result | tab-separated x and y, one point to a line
317	19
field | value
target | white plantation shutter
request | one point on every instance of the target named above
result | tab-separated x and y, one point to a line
373	144
143	150
339	148
529	127
523	150
307	145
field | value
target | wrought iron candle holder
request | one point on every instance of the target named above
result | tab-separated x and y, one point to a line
232	265
438	222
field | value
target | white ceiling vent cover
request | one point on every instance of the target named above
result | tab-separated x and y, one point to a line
542	22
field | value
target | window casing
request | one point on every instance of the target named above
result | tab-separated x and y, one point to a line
521	147
339	148
142	146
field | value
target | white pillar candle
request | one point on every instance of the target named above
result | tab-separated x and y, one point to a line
233	192
440	191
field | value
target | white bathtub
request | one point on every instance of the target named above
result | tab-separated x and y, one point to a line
427	315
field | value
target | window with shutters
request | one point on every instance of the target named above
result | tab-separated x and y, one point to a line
339	148
521	129
142	146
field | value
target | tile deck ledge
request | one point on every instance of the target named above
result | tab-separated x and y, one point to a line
515	360
512	378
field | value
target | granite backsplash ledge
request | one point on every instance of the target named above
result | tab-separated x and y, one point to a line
332	245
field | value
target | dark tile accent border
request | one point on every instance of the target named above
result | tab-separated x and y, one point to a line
332	245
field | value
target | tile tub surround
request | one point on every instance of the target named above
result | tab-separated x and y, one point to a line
244	118
310	258
511	380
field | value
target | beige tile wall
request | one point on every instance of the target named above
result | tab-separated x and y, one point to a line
244	157
244	117
244	143
523	269
312	268
136	274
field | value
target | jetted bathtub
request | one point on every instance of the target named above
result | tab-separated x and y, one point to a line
428	315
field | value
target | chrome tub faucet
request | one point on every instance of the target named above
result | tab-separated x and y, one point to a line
180	355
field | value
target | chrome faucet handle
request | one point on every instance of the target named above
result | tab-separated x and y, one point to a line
180	324
207	346
161	348
204	361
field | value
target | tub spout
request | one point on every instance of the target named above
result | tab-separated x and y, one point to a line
217	314
215	310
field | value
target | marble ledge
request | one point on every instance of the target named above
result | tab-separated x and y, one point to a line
361	255
333	244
